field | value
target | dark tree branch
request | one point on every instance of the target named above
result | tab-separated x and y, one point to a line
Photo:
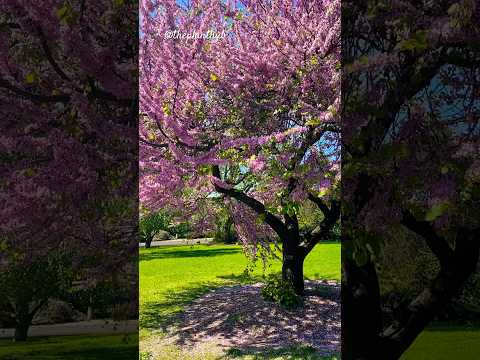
63	98
273	221
320	203
159	146
437	244
331	216
50	58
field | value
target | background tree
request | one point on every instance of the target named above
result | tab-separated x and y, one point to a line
27	286
250	118
151	224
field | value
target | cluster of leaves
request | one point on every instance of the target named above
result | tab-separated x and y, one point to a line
102	297
281	291
27	284
151	224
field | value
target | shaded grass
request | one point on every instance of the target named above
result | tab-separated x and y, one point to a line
298	352
446	342
173	276
108	347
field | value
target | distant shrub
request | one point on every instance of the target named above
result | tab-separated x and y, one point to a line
181	230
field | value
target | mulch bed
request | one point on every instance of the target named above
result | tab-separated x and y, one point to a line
238	317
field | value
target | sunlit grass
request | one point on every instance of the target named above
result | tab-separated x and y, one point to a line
446	342
171	277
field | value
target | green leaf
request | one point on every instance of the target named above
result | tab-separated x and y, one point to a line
261	218
313	122
436	211
31	77
151	136
166	110
66	14
454	9
418	41
62	12
322	192
363	60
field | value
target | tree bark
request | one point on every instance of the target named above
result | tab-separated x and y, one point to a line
148	242
361	311
364	337
21	331
23	322
292	265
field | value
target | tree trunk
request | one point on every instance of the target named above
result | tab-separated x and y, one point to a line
292	267
361	311
21	328
148	242
363	334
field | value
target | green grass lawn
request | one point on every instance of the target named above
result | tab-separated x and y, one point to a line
446	342
105	347
171	277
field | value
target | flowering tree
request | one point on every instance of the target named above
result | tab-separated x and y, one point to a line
248	116
67	102
410	160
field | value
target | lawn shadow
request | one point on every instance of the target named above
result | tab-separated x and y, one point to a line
294	352
164	314
242	320
155	253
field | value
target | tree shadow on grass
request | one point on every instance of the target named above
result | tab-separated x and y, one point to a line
155	254
164	314
294	352
239	318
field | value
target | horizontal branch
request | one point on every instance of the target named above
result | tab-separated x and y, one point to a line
63	98
149	143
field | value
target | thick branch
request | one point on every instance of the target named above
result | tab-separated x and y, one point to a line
437	244
159	146
331	216
320	203
273	221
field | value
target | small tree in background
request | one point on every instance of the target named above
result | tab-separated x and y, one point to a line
151	224
27	285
